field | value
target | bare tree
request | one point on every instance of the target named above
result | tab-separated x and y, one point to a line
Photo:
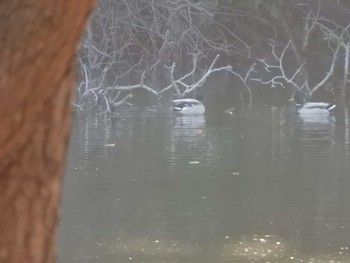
154	45
144	40
289	65
281	78
183	85
339	36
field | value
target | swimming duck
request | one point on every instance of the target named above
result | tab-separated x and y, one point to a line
188	107
304	107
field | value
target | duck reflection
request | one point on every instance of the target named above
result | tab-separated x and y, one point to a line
189	128
316	133
190	143
315	126
315	122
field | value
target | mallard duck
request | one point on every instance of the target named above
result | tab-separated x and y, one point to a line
188	106
304	107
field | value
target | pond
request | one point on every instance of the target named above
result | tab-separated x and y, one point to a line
260	185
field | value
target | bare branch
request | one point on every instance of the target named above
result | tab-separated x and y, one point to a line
311	18
128	37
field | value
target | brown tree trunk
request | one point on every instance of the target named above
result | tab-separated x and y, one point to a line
38	40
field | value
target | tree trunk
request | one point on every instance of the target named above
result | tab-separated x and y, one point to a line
38	40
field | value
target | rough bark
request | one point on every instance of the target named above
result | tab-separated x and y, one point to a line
38	40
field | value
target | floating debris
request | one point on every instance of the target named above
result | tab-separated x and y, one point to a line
109	145
229	111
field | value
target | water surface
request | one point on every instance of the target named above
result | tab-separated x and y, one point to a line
262	185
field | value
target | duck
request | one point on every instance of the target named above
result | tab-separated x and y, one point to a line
188	107
304	107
